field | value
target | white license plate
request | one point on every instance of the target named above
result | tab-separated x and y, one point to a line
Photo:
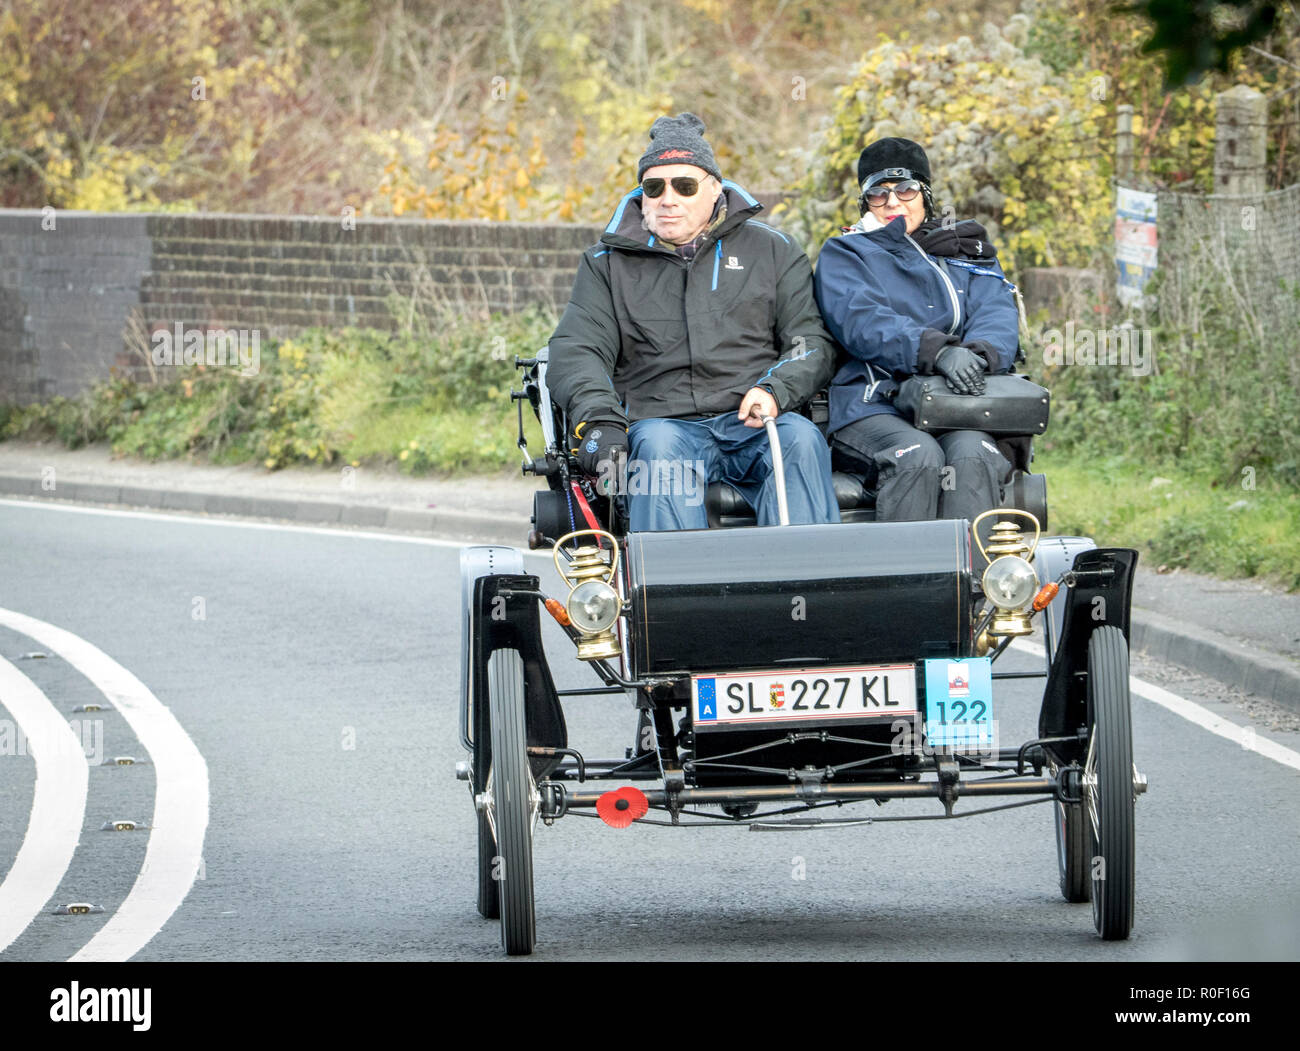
793	696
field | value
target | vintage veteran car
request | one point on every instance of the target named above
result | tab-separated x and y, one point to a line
886	691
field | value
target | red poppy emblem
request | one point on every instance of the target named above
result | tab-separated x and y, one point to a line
620	808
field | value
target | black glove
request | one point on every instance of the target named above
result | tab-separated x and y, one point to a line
987	351
962	368
598	442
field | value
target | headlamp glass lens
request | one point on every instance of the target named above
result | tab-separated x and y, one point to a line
593	606
1010	582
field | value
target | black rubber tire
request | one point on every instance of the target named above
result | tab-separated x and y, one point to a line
1112	844
511	781
1072	851
489	906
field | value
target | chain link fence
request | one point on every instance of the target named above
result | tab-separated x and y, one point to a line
1239	252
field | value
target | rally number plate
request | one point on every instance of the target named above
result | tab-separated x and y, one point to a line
798	695
959	704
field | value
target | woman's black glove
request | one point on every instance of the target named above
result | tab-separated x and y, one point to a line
987	351
962	368
597	443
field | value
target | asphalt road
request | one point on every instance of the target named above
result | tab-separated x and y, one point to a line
316	673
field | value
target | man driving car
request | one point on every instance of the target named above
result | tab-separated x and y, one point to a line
689	321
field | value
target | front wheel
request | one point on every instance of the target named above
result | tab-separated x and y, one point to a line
514	803
1108	784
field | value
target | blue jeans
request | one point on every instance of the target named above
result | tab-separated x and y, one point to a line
672	462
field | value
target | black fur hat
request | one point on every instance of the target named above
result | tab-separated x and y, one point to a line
888	160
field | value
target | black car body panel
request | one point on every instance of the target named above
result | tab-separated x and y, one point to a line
722	600
505	614
1102	594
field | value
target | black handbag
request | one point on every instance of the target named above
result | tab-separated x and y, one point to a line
1010	404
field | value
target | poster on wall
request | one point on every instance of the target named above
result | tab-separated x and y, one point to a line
1135	244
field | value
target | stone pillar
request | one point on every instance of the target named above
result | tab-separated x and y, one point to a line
1240	141
1124	144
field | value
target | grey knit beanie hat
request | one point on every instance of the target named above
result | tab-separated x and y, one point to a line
678	140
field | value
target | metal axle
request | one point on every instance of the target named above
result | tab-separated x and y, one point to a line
1020	786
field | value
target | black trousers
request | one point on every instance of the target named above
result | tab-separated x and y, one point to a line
920	476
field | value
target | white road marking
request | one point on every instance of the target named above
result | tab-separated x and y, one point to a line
180	816
1245	736
58	803
234	523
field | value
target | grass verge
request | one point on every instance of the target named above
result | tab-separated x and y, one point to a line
433	402
1177	518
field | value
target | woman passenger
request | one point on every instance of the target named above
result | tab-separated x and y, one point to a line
906	294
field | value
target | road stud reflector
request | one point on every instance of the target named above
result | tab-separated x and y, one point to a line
77	908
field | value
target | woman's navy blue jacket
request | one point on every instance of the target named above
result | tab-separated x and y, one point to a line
893	307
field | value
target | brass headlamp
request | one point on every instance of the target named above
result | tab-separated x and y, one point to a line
593	604
1009	581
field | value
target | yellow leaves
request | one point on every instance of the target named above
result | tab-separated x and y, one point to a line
711	9
487	170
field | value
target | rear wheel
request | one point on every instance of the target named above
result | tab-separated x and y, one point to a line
1072	851
514	803
488	905
1108	788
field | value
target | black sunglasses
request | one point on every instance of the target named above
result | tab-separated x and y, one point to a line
683	186
904	191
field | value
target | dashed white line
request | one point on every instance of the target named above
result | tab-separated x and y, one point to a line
180	816
58	803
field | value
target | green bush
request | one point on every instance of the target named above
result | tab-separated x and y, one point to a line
433	399
1222	397
1178	517
1011	142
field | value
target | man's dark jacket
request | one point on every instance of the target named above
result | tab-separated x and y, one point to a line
647	334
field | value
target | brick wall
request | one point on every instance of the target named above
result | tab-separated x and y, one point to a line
65	294
76	299
81	298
